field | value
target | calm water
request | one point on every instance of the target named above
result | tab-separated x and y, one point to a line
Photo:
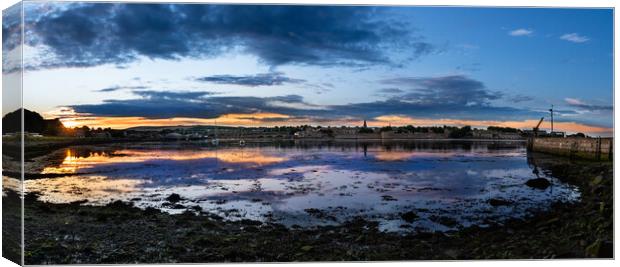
447	184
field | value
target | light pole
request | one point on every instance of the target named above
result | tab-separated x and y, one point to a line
551	110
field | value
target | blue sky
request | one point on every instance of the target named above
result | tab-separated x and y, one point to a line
273	65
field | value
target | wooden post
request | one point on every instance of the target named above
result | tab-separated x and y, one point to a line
598	148
611	149
573	149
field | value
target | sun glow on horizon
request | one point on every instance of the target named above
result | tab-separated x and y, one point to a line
524	124
72	119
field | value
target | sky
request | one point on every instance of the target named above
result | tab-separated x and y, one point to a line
125	65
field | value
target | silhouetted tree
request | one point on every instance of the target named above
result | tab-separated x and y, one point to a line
386	129
582	135
503	129
465	131
53	127
33	123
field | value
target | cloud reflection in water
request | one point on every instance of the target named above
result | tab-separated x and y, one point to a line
281	183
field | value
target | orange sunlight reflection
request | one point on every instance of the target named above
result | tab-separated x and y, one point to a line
11	184
403	155
72	163
99	189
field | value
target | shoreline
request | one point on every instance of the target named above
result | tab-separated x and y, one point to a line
74	233
34	147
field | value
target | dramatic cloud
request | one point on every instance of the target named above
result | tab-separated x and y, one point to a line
11	39
265	79
179	95
455	90
574	37
520	98
452	97
168	104
387	91
117	88
11	28
573	102
93	34
521	32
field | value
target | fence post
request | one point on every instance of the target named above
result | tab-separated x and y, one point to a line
611	149
573	149
598	148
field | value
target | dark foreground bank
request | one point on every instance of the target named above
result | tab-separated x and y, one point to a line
120	233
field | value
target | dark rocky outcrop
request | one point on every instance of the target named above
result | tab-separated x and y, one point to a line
409	216
538	183
174	198
495	202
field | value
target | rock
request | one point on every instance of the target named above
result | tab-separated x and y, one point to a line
173	198
118	204
171	205
196	208
151	211
388	198
453	254
313	211
444	220
84	201
251	229
216	217
499	202
597	180
409	216
538	183
251	222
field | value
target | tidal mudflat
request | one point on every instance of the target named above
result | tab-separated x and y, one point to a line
416	186
117	204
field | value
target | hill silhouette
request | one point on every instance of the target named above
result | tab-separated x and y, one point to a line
33	123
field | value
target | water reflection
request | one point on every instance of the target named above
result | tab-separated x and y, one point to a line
96	189
310	183
10	184
75	161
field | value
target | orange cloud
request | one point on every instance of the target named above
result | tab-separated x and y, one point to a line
128	122
525	124
72	119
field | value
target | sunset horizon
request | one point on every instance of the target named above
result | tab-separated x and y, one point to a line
245	120
316	65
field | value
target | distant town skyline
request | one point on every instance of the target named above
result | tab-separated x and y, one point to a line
123	65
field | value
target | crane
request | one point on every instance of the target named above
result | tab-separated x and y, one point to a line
538	125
